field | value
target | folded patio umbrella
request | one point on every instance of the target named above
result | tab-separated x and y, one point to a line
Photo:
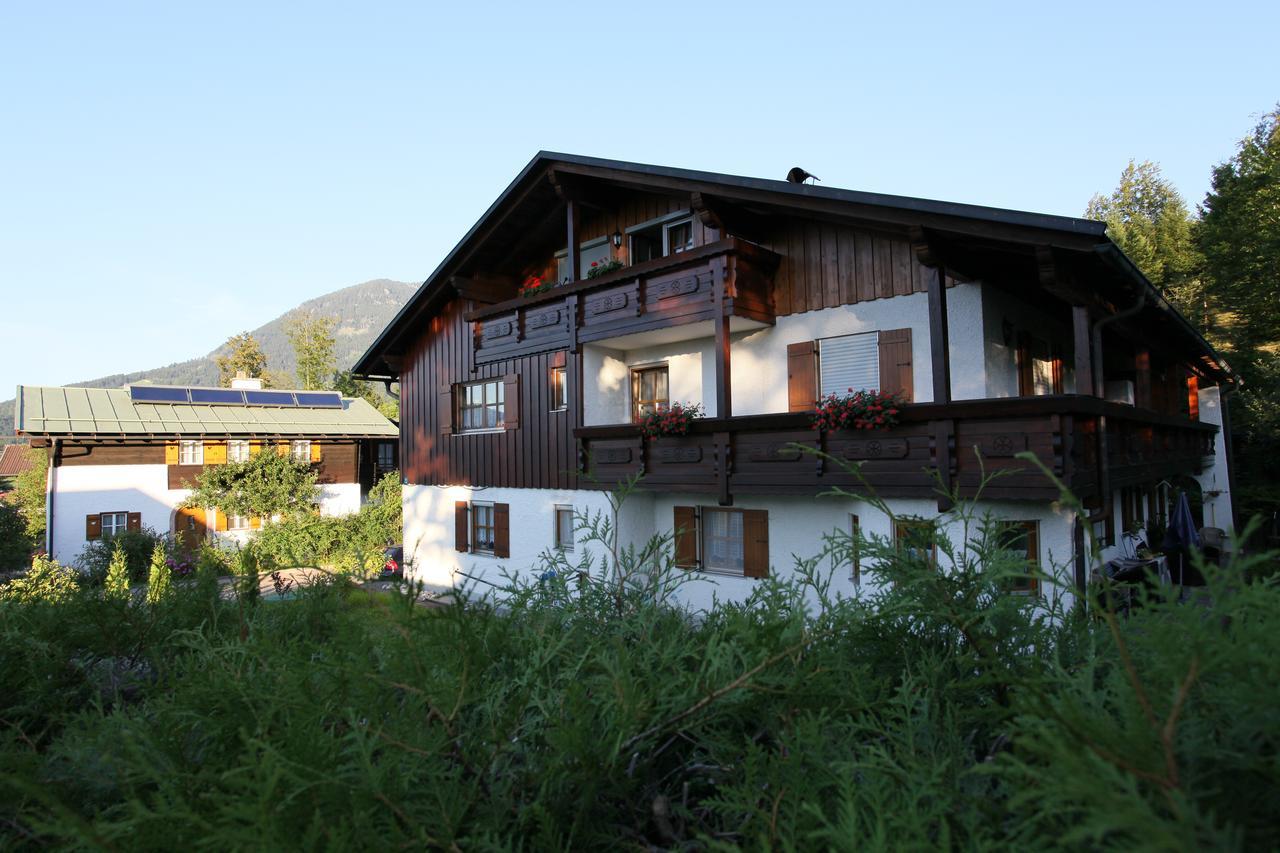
1181	534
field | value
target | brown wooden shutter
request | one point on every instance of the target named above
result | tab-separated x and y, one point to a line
92	527
134	522
501	530
755	543
686	537
1023	362
461	527
511	401
896	375
171	453
1193	397
802	376
445	409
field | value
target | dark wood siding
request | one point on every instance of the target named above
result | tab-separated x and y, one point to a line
339	463
112	454
537	454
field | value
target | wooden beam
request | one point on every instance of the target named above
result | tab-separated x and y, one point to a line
939	335
728	218
1142	378
1082	342
573	214
724	393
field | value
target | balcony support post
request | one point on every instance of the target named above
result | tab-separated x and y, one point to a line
724	392
939	334
572	214
1082	341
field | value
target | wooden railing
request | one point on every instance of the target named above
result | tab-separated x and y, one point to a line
671	291
958	446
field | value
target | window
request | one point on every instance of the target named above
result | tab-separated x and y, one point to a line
849	361
657	238
1021	539
915	538
300	450
648	391
114	522
237	522
190	453
722	540
481	406
237	451
591	251
564	528
482	528
386	455
559	389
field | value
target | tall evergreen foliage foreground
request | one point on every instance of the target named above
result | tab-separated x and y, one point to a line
586	712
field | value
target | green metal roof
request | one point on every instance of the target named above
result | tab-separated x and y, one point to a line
109	412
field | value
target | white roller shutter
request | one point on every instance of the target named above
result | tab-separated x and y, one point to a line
849	361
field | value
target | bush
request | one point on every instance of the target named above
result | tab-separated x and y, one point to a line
137	545
117	582
15	544
47	582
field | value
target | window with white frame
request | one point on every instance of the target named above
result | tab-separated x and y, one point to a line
237	451
237	522
190	453
480	406
114	522
723	545
564	528
849	362
589	252
482	528
656	238
300	450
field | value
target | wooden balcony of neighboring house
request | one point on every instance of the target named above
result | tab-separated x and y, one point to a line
679	296
956	445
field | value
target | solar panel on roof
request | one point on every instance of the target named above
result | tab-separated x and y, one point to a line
269	398
232	396
319	399
155	394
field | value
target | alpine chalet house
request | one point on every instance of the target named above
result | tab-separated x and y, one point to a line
594	292
123	459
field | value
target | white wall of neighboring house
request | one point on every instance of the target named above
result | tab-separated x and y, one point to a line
796	528
82	490
1214	483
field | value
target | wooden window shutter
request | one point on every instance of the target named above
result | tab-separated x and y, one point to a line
501	530
1193	397
315	451
445	409
220	523
92	527
171	453
134	522
896	375
255	522
461	527
1023	362
802	376
255	447
215	452
755	543
686	537
511	401
283	448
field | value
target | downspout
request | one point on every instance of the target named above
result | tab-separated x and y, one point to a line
1107	510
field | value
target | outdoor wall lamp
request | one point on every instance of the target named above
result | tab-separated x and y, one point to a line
617	239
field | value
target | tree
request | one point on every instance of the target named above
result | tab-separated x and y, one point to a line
268	483
1239	237
29	493
348	386
15	545
243	355
313	345
1148	219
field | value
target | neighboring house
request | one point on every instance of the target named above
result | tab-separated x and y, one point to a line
124	459
1007	331
14	460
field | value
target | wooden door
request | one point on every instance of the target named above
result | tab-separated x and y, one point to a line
189	527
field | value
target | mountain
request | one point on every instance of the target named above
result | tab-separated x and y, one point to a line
363	310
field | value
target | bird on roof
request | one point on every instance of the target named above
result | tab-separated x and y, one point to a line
799	176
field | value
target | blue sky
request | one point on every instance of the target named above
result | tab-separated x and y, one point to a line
173	173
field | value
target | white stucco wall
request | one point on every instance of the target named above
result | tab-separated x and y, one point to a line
1217	508
796	527
81	490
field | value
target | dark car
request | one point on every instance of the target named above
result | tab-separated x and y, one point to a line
393	565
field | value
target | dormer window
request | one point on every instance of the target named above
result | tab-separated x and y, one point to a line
656	238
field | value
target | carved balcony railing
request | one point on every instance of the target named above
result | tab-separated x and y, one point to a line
955	445
677	290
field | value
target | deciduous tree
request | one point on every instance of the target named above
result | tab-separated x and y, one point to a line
242	353
313	345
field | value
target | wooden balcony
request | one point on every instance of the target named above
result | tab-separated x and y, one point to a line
758	454
666	293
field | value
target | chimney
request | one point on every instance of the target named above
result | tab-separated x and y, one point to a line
243	380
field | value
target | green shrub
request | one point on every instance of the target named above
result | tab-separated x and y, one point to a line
15	544
351	543
116	585
159	578
137	545
47	582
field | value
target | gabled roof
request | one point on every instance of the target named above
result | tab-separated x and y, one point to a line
1080	235
14	460
109	412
